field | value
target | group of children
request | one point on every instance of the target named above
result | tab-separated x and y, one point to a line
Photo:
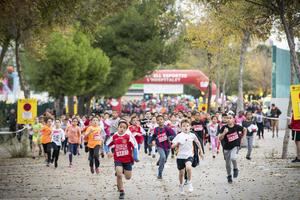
121	138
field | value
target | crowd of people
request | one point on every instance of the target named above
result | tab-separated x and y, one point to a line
184	135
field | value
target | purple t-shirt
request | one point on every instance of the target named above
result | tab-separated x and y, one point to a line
163	136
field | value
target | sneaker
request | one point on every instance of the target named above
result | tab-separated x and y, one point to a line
157	163
122	195
218	152
229	178
190	187
33	157
47	165
181	189
97	171
295	160
185	182
159	177
102	155
248	158
235	173
214	156
149	154
92	170
52	160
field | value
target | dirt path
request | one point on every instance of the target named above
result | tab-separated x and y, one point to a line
265	177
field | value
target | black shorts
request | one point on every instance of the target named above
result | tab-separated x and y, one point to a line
296	134
126	166
181	162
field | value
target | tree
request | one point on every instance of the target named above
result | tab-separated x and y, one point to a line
70	67
285	15
137	40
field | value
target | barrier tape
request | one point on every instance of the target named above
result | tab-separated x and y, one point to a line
273	118
10	132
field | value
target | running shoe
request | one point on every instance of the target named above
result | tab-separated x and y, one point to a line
229	178
181	189
92	170
235	173
190	187
122	195
97	171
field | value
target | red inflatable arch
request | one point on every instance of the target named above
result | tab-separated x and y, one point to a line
187	77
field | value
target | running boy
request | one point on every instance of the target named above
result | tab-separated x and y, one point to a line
251	128
231	139
162	138
124	146
184	141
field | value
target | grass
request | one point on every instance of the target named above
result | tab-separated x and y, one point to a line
18	149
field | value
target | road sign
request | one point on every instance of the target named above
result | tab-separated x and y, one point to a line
27	111
295	96
202	107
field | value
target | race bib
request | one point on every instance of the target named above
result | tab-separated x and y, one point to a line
162	137
198	127
232	136
121	150
97	137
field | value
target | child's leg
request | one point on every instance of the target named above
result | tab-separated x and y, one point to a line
181	176
119	172
213	145
162	160
96	156
70	153
91	157
188	167
127	174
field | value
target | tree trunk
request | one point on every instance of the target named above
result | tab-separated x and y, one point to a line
71	105
218	87
209	87
23	83
59	105
88	105
224	89
290	38
5	46
244	45
80	105
286	138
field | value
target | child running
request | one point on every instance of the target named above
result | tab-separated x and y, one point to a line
94	141
184	142
231	137
124	146
162	138
137	131
73	133
213	131
36	138
46	139
58	136
251	128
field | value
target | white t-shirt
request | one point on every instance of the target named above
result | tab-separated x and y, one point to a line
185	141
57	136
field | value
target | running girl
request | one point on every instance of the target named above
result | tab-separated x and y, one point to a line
137	131
94	141
124	146
58	136
36	137
73	133
184	141
46	139
213	131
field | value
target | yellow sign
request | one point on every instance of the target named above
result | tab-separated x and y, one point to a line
295	96
202	107
27	111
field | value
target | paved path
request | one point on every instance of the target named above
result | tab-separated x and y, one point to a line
265	177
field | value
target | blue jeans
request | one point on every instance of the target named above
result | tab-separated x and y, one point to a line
163	156
72	150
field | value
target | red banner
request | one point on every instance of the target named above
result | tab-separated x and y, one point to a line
191	77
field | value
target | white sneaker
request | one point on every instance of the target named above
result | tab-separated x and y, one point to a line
181	189
190	187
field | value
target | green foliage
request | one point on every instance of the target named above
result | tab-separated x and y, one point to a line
70	67
137	40
18	149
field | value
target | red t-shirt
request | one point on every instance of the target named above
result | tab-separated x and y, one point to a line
123	147
137	133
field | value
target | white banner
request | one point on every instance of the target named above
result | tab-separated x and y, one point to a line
163	88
